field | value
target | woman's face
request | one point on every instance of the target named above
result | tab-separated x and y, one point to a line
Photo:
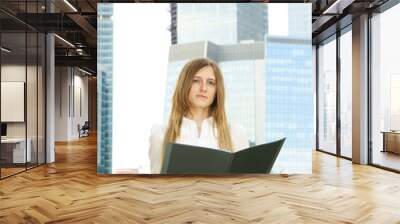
203	89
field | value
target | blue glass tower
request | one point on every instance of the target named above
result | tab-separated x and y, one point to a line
221	23
290	101
104	83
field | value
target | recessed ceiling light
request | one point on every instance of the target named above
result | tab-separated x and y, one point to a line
84	71
64	40
5	50
70	5
337	7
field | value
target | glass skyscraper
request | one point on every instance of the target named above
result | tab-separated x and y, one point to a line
244	106
221	23
290	92
299	20
104	83
290	102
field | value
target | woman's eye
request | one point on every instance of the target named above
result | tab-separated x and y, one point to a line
196	80
211	83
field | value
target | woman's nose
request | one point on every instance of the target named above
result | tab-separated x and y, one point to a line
203	87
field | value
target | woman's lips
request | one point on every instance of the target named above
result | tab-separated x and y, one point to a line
201	97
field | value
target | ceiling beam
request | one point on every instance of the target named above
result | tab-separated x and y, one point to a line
83	61
86	26
337	6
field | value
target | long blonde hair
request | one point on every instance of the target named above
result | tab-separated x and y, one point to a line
181	105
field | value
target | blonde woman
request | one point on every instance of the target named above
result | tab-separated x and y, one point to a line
198	114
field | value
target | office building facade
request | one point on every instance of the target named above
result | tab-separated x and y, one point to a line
105	74
221	23
289	94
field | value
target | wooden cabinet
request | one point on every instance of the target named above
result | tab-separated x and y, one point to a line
391	142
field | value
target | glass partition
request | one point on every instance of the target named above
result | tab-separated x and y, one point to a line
22	88
346	94
41	85
385	89
31	100
327	96
14	153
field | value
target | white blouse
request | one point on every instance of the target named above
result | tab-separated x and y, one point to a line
189	136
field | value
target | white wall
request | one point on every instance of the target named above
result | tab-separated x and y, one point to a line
79	117
135	86
61	103
70	83
12	73
34	125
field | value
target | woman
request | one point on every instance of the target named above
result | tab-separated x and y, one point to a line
197	115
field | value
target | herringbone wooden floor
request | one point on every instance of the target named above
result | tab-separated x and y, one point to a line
70	191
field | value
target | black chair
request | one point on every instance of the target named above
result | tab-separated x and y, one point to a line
84	130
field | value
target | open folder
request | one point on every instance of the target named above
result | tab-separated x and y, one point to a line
188	159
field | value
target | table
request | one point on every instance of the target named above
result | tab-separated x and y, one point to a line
13	150
391	141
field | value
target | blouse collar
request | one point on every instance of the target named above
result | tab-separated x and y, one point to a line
190	121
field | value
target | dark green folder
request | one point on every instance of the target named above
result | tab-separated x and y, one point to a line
188	159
